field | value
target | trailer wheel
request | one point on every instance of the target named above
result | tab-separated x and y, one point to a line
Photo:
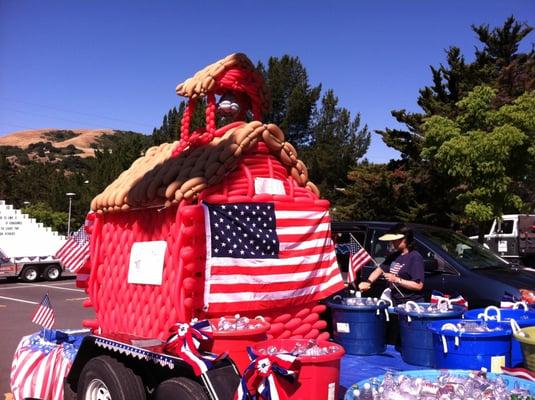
30	273
52	272
180	389
104	378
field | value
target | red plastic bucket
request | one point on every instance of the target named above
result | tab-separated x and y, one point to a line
235	343
319	376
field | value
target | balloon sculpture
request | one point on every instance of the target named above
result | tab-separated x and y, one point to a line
164	196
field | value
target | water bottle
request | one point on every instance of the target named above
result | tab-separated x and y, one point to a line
366	392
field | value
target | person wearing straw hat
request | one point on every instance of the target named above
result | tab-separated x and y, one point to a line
406	273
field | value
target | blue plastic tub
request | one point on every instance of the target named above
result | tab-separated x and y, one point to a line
524	318
471	350
416	340
432	375
361	330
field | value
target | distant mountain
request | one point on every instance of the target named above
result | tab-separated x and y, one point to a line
54	145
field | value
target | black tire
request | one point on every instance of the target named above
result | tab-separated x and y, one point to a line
104	374
30	273
180	389
52	272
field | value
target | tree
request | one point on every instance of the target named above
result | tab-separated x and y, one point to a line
497	64
484	151
42	212
293	99
453	97
336	145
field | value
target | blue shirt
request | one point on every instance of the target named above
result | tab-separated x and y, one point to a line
409	267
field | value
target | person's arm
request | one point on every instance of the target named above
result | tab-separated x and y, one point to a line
365	285
404	283
416	272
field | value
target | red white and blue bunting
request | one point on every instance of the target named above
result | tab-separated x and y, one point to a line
187	340
261	379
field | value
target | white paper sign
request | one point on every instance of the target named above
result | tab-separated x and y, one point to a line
146	262
502	246
342	327
269	186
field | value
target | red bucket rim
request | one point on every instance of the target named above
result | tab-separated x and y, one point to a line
322	343
242	332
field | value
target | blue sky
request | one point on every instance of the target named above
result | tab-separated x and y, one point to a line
115	64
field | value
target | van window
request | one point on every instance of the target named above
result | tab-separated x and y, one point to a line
428	254
464	250
507	226
379	249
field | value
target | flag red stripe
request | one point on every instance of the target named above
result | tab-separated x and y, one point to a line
75	252
266	303
272	287
290	222
279	269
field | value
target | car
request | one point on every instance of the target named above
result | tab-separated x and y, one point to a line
453	263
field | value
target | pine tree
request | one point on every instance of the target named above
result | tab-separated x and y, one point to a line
293	99
336	145
499	66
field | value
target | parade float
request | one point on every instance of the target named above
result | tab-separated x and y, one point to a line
211	258
221	226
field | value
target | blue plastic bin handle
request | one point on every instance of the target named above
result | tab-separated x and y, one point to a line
497	317
450	327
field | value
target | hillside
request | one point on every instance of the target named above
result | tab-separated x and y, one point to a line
84	140
69	147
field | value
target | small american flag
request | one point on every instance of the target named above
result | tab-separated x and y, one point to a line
264	255
44	315
75	252
357	259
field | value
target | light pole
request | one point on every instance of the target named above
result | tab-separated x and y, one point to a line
70	196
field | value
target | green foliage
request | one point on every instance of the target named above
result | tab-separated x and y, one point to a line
469	153
59	135
483	150
337	142
43	213
293	98
44	184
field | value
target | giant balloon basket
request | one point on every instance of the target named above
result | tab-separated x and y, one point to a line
213	275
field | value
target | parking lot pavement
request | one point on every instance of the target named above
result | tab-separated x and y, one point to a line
18	302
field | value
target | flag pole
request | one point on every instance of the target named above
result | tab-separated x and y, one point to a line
376	265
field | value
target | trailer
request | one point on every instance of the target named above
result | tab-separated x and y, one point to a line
27	247
121	366
30	268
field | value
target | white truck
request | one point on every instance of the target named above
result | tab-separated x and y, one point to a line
27	247
30	268
512	237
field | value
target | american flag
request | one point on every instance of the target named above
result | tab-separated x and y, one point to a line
38	369
44	315
264	255
357	259
75	252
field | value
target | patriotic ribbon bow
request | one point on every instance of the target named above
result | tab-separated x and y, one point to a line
185	342
509	301
437	296
260	380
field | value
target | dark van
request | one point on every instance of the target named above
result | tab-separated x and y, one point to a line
453	263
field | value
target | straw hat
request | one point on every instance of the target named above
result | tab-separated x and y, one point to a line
388	237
